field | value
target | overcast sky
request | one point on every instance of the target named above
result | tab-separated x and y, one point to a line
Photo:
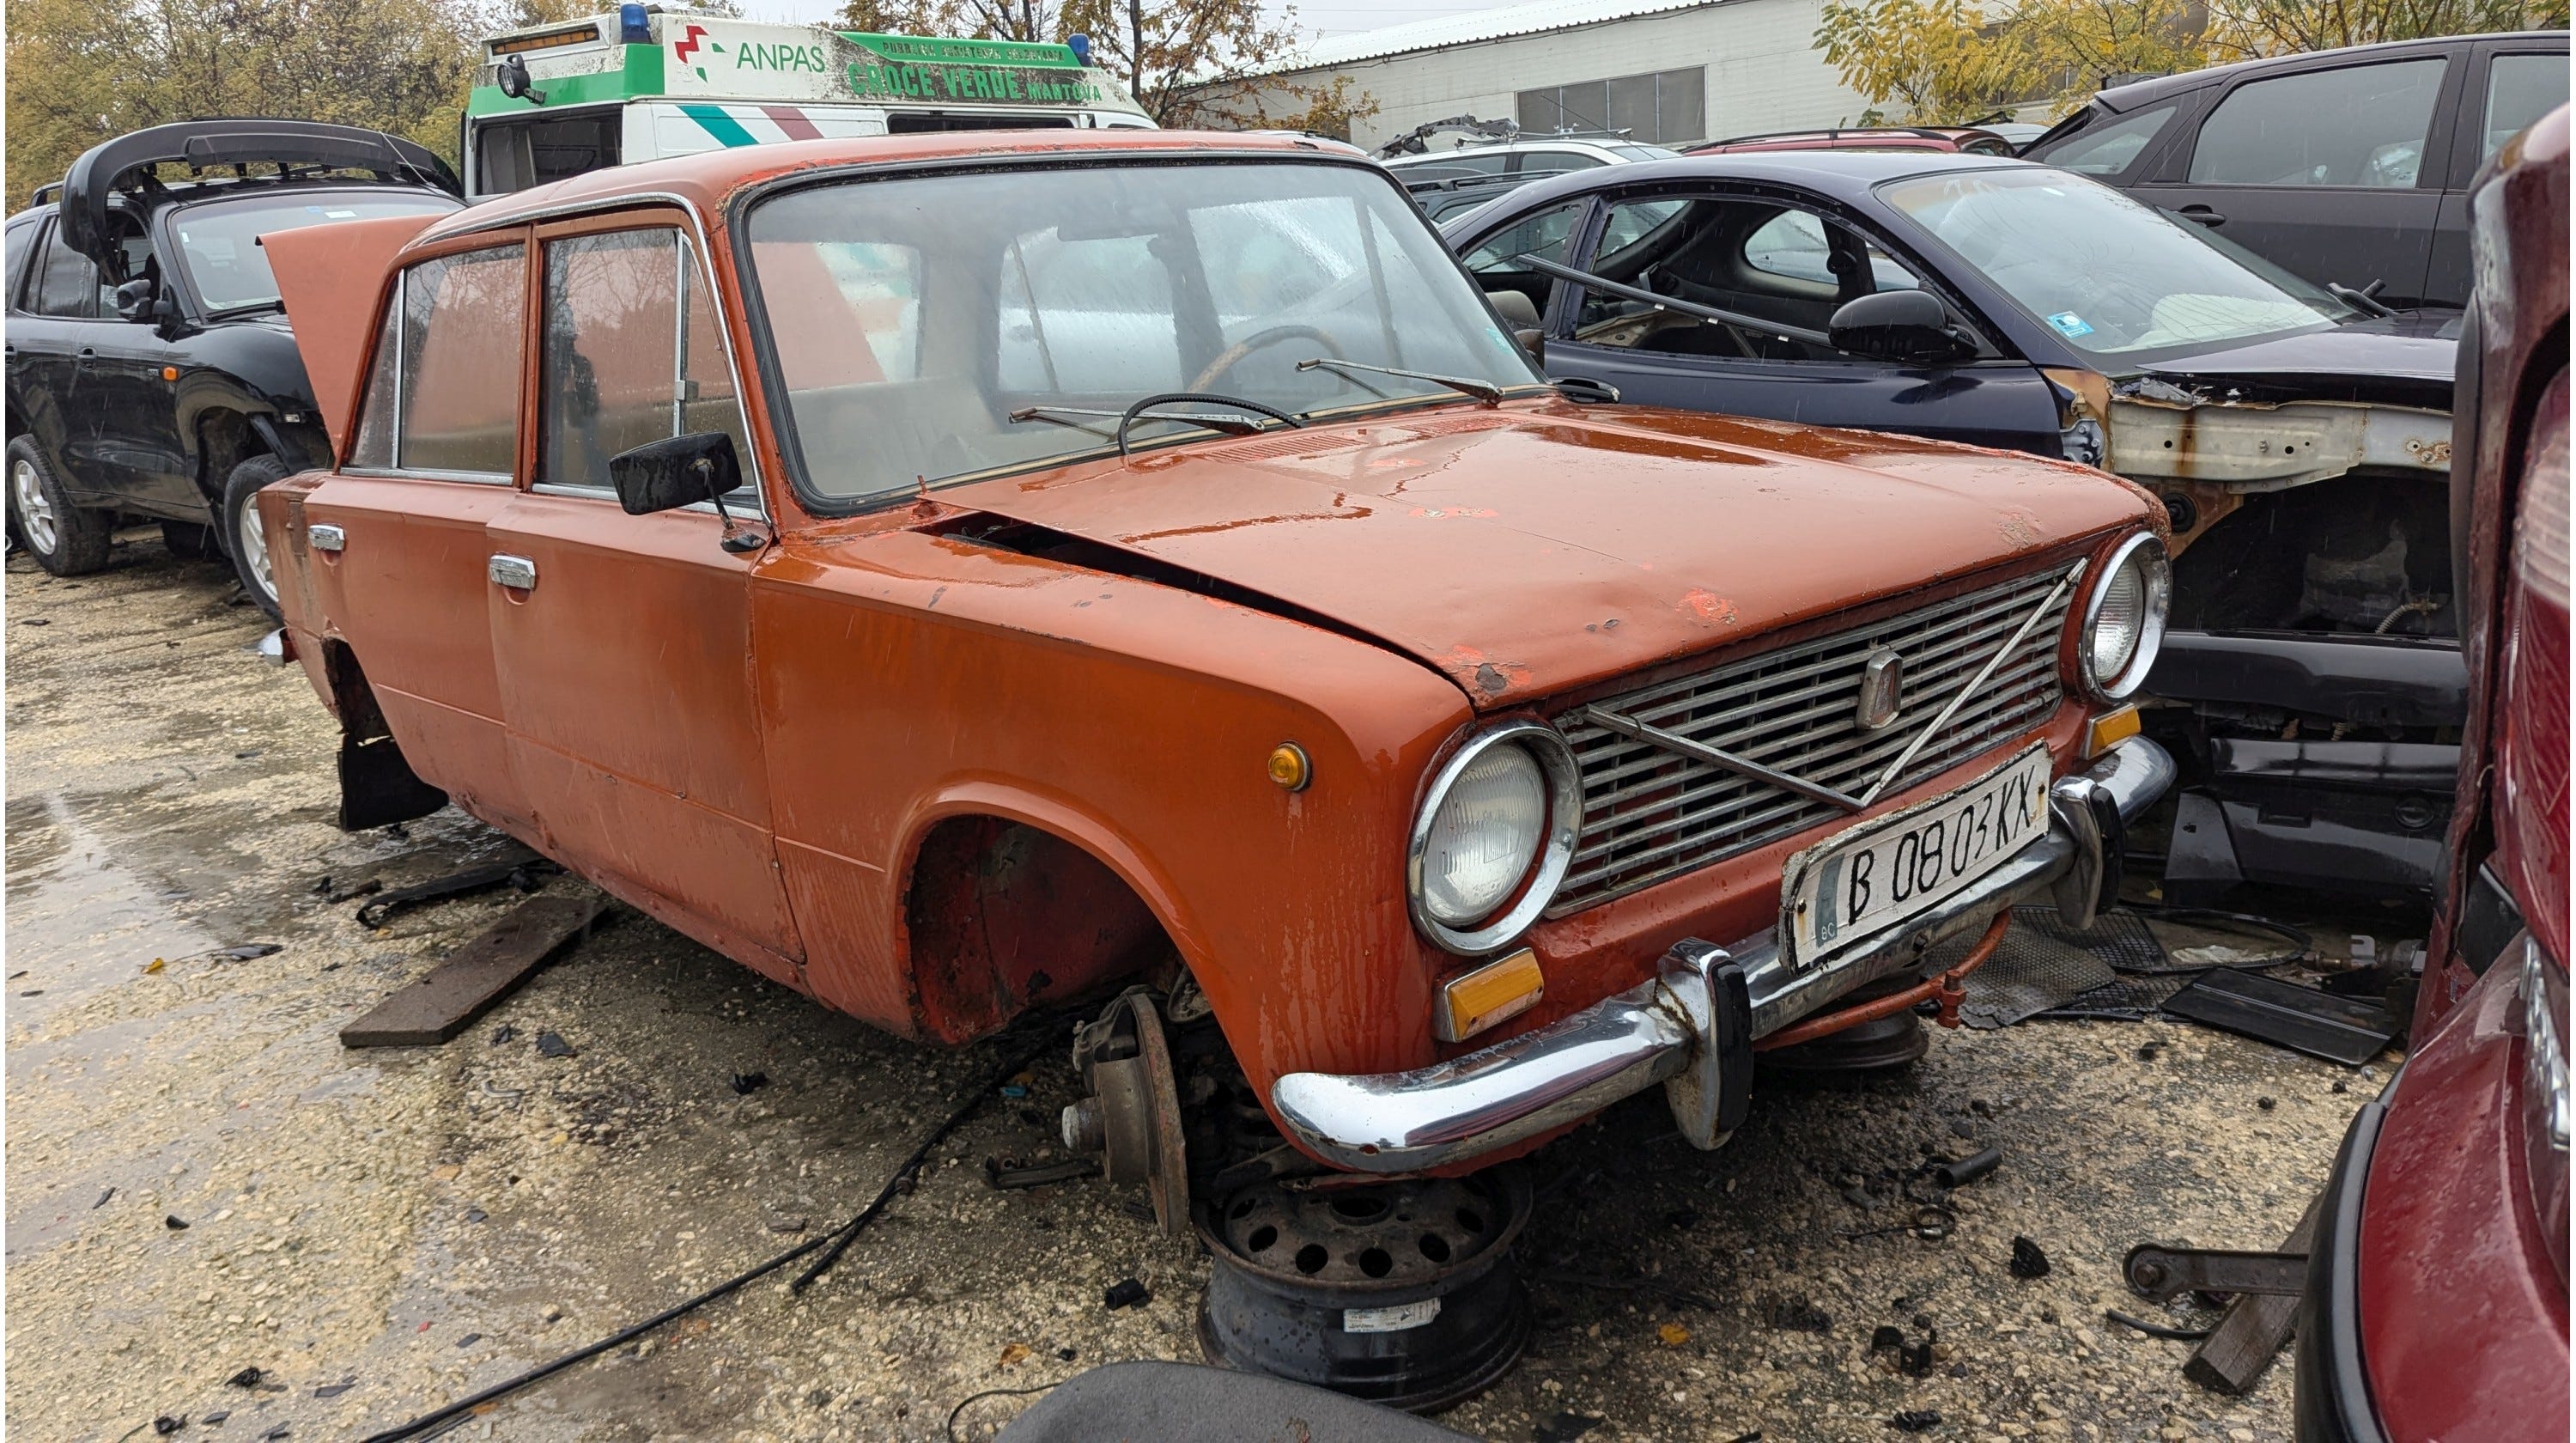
1314	17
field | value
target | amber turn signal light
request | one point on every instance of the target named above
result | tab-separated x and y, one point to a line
1496	992
1289	767
2109	730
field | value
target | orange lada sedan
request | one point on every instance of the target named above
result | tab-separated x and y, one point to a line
957	575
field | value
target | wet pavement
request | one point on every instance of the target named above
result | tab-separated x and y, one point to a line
203	1182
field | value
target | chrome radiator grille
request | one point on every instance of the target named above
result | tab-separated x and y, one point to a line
1650	813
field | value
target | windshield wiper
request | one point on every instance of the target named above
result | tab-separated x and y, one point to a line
1141	411
1484	391
2366	299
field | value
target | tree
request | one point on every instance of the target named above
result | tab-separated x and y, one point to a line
1951	61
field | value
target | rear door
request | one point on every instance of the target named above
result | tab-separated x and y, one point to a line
2511	83
624	642
432	459
2331	171
1763	255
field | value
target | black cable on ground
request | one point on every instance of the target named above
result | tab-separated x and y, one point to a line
994	1393
2157	1330
831	1244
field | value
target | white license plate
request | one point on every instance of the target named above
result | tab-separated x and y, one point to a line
1874	876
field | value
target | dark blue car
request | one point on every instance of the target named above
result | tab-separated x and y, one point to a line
2298	435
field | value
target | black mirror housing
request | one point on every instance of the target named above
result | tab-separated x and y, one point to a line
1898	326
135	301
683	471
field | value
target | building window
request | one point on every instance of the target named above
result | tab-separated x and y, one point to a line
1664	107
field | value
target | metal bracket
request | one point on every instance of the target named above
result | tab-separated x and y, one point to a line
2091	818
2163	1272
1712	1093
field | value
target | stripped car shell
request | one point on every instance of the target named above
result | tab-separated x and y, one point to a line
1010	733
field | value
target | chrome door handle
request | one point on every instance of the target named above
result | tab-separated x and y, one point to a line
516	572
323	536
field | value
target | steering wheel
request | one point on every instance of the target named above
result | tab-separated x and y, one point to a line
1234	355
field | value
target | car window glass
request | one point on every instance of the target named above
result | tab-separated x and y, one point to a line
620	369
2107	151
1087	307
1537	163
457	407
513	156
374	448
67	282
2520	90
1747	256
2360	125
21	248
219	240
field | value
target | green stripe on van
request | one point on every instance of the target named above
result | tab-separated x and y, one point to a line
727	130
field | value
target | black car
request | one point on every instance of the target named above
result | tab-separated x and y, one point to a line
2300	442
150	369
2349	167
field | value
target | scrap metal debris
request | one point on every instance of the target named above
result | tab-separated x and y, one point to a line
551	1044
1005	1174
2027	1260
525	873
1916	1420
1126	1293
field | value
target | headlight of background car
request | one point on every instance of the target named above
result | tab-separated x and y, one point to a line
2124	618
1494	837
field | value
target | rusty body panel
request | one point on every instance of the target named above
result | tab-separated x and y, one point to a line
1004	743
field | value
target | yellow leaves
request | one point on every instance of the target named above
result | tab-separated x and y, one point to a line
155	965
1015	1354
1673	1334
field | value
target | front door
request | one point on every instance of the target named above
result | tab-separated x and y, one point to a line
624	642
2333	174
1773	261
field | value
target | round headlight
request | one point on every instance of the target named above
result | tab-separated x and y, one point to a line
1494	837
2124	618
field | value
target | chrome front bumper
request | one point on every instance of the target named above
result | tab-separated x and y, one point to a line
1691	1026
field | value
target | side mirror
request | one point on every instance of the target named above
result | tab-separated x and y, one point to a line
134	301
683	471
1897	326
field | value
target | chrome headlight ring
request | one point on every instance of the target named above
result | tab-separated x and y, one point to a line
2146	555
1555	854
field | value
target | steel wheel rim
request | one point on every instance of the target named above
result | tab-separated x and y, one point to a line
35	513
254	548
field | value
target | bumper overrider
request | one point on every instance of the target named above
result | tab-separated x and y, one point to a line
1692	1026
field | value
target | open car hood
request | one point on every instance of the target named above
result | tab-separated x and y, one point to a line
330	278
1541	547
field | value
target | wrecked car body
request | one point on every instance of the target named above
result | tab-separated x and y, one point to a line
957	580
2299	438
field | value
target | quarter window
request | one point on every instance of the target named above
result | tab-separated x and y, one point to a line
622	368
2520	90
68	283
2107	152
444	391
2360	125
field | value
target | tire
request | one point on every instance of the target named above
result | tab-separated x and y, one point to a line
66	540
249	544
189	541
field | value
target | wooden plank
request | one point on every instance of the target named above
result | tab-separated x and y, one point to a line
2253	1329
477	975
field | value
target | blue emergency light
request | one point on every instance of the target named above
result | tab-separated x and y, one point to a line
1080	45
632	28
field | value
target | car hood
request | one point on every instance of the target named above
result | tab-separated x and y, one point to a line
2402	360
1542	547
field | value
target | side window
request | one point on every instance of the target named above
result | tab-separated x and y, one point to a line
21	248
443	394
2520	90
1752	258
1549	235
2361	125
520	154
2107	152
1536	163
622	366
67	283
1086	316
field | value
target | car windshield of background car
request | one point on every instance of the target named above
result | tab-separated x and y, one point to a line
2110	276
220	239
912	319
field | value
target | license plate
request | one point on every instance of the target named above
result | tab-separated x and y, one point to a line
1874	876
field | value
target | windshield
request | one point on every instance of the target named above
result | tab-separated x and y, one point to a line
939	327
218	240
2112	277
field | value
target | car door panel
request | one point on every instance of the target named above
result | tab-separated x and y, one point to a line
134	416
2279	164
2000	403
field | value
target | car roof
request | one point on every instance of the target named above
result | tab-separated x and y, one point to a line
190	192
1842	174
707	181
2125	98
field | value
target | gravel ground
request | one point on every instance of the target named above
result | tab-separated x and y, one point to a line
202	1181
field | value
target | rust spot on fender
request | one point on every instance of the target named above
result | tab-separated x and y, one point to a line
1709	606
2020	527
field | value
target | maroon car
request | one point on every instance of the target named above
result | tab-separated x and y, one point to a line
2436	1304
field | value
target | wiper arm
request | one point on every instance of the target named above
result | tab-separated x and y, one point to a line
1230	425
1735	320
1485	391
2366	299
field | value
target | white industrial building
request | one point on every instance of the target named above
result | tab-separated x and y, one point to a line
1670	72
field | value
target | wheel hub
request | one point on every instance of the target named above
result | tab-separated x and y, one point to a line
35	512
